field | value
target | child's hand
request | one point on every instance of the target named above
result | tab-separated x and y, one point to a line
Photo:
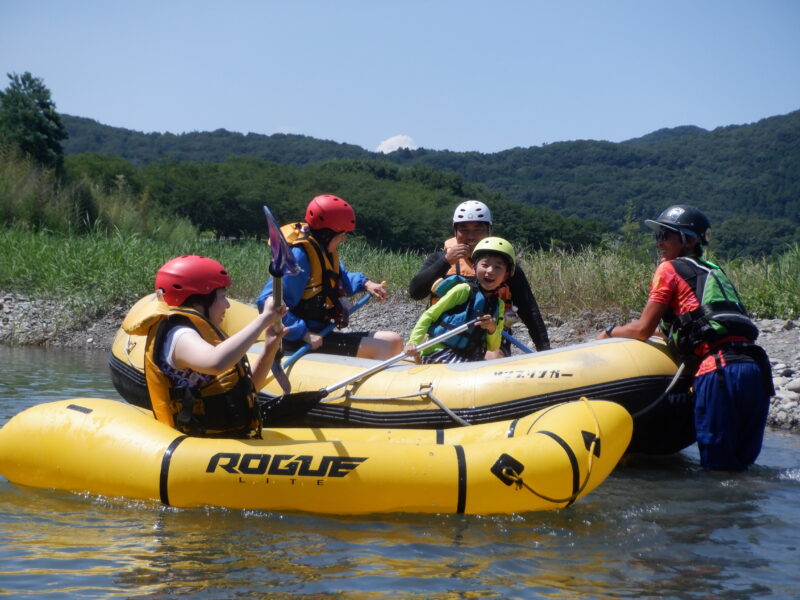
487	322
313	339
377	290
272	334
412	352
273	317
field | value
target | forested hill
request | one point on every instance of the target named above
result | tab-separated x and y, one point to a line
736	171
87	135
746	177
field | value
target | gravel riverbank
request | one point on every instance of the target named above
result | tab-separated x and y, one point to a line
26	321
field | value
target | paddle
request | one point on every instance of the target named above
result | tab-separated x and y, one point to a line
311	396
516	342
302	351
282	263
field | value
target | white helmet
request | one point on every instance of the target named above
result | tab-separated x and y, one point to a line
472	210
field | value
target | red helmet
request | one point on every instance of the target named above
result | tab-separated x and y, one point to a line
330	212
186	275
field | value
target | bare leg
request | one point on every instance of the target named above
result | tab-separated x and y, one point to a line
380	345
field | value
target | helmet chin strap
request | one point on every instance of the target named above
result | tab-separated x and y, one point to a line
686	249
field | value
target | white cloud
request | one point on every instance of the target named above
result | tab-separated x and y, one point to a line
396	141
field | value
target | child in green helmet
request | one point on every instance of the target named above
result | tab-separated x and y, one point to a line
463	300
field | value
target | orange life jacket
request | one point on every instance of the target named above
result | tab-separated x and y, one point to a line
223	407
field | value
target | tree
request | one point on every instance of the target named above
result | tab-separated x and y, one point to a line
28	118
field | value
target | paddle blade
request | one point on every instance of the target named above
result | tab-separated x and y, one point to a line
283	262
289	406
281	377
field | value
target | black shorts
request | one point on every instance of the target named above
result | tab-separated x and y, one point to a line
336	342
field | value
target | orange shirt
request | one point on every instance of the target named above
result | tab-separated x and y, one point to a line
667	287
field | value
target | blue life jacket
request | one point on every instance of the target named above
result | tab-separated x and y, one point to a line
477	304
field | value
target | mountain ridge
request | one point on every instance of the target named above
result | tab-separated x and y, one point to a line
749	171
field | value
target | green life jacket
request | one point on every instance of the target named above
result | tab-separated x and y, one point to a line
721	312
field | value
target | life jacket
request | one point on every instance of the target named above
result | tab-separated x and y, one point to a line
222	407
321	298
466	269
721	313
473	340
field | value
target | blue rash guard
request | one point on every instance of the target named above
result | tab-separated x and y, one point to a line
293	286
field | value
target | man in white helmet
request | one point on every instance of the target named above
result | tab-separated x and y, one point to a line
472	221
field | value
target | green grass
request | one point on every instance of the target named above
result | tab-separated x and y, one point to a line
570	283
98	271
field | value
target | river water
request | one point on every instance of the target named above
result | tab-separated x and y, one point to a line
657	528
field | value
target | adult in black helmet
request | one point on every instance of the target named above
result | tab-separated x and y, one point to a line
705	322
472	222
684	219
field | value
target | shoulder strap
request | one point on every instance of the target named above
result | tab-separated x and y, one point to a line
692	273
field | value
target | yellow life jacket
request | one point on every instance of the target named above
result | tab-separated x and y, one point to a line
321	293
466	269
223	407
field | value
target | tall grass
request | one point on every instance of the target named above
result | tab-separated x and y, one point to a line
770	286
618	280
30	195
95	272
570	283
33	198
379	264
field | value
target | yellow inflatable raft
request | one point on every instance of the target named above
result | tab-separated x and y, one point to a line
632	373
543	461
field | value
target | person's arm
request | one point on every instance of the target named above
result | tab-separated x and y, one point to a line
193	352
358	282
640	329
495	338
262	364
434	267
663	288
457	295
528	309
293	286
352	283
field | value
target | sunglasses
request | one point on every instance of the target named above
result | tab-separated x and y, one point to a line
662	236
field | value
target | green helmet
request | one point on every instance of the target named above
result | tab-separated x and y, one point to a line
495	245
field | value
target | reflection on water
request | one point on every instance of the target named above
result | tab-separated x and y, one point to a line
658	528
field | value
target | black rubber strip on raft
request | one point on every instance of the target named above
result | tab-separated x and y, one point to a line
165	462
573	461
630	393
129	382
462	479
512	428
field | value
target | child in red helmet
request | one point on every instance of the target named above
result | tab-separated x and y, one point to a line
314	295
198	378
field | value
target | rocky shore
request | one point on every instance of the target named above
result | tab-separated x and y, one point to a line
26	321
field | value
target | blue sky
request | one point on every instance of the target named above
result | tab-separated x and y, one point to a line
458	75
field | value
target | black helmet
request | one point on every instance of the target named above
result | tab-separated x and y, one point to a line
685	219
